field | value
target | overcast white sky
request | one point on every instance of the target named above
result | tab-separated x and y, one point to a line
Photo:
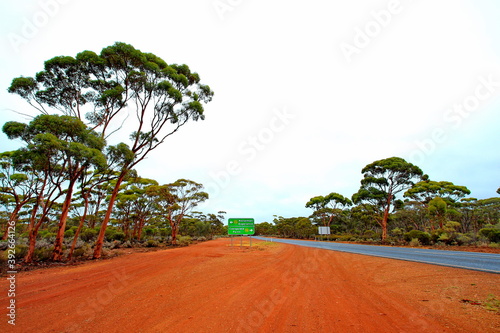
306	93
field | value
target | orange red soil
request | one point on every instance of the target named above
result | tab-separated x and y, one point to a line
270	287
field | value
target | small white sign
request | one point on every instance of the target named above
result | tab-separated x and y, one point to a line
324	230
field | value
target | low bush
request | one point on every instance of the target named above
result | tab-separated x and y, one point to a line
184	240
423	237
464	240
43	253
415	242
151	243
88	235
436	234
21	251
492	234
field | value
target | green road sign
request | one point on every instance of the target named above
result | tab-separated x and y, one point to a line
241	227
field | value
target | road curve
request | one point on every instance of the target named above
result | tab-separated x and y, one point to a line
485	262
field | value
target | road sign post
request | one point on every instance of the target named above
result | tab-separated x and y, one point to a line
324	231
241	227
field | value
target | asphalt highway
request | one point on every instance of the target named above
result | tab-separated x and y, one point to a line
486	262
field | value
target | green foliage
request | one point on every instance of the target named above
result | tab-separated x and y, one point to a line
426	190
265	229
113	234
184	240
415	242
21	251
423	237
370	235
492	234
436	234
88	234
69	233
464	240
43	253
151	243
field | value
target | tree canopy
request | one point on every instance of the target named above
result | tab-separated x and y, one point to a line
382	180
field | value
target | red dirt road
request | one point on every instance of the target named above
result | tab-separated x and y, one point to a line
211	287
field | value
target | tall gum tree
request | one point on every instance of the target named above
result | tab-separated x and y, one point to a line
383	180
165	97
121	79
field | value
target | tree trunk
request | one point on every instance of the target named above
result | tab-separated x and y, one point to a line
100	239
142	221
58	244
383	224
80	226
12	217
174	234
33	232
31	247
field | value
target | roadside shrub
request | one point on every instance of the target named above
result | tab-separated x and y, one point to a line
184	240
84	251
88	235
436	234
21	251
392	240
78	253
397	232
151	243
370	235
464	240
127	244
50	236
150	231
119	236
445	238
43	253
164	232
69	233
415	242
492	234
423	237
114	235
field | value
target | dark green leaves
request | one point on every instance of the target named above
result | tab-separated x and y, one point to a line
23	86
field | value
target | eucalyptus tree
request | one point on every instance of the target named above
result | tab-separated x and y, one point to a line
426	190
93	185
382	181
68	148
17	183
121	79
39	156
137	206
329	206
216	223
176	200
